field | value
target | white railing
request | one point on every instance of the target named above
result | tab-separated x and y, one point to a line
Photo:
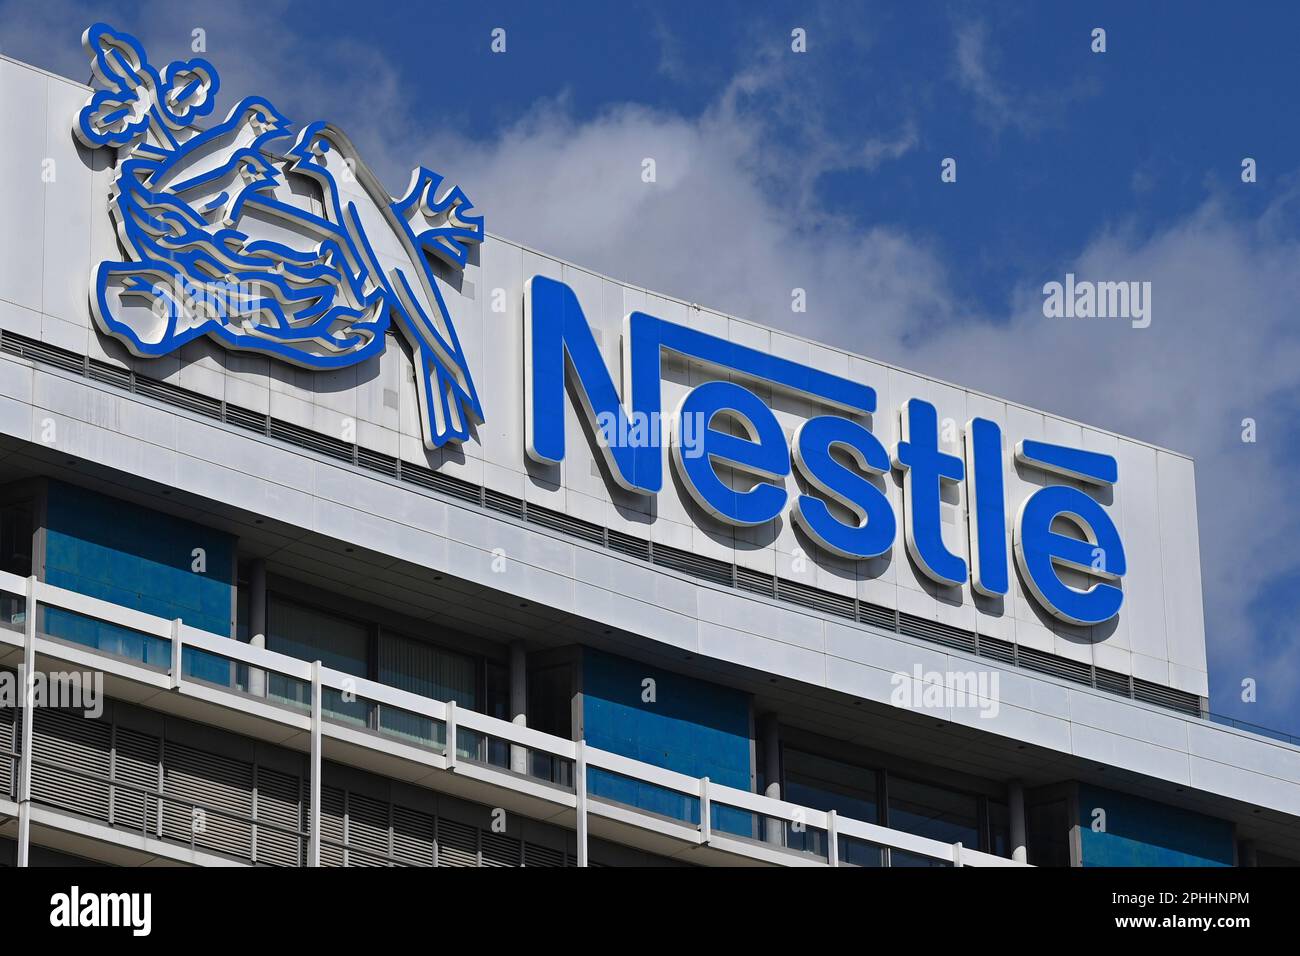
447	737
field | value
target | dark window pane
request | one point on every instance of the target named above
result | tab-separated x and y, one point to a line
427	670
930	811
550	700
827	784
312	635
999	829
1049	833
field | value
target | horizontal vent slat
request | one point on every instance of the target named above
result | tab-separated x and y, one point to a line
630	545
815	598
755	581
1178	700
435	481
997	650
311	440
945	634
710	569
567	524
877	616
505	504
1045	663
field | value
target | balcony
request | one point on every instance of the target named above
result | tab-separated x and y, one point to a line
167	666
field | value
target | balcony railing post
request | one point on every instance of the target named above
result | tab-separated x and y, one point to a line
29	719
832	840
313	833
176	653
580	791
705	814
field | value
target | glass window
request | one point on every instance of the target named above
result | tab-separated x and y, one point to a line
827	784
311	635
16	538
930	811
1049	833
999	829
15	557
421	668
427	670
550	710
496	702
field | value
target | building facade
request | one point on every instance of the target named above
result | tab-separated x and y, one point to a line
398	543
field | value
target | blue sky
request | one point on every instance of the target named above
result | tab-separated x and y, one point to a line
821	170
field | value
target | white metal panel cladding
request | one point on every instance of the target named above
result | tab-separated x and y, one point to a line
57	233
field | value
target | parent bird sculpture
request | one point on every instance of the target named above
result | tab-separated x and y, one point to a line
266	240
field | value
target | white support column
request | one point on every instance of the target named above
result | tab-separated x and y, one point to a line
832	840
580	790
29	718
450	749
518	703
706	814
176	653
956	855
1016	808
257	623
313	833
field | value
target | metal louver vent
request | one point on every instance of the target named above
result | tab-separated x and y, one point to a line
222	789
367	831
1112	682
70	762
500	850
374	461
997	650
1045	663
710	569
1178	700
506	504
38	351
755	581
306	438
447	485
816	598
566	524
535	855
180	397
332	831
457	843
8	747
877	616
243	418
414	837
914	626
137	761
109	374
279	803
628	544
